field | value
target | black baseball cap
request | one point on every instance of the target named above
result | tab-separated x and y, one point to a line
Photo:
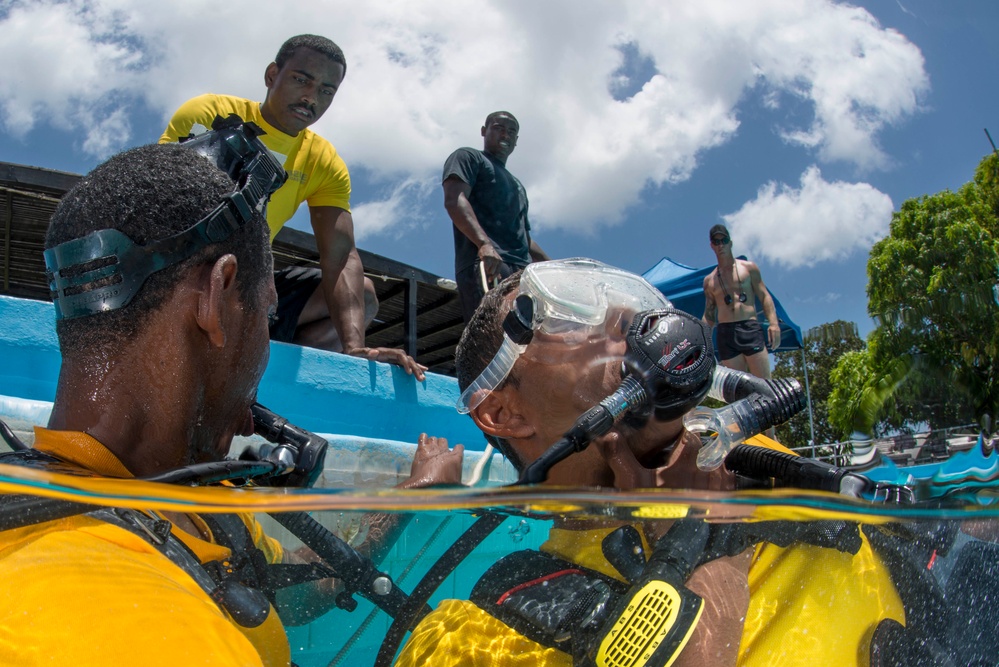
718	229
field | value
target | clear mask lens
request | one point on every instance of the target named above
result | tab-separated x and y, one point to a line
575	301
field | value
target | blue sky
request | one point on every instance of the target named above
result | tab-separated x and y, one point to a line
801	123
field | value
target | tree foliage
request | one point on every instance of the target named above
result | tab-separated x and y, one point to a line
932	358
824	345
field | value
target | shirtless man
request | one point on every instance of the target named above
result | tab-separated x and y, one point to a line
730	294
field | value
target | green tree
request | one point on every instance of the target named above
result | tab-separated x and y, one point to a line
931	288
824	345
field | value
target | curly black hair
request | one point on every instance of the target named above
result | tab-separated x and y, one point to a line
151	193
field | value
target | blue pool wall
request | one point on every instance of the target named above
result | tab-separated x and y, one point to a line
317	390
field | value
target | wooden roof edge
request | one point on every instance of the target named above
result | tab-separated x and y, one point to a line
49	180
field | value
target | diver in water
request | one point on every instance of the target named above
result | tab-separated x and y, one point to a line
161	272
801	605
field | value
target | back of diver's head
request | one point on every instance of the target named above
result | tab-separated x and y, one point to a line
151	193
479	343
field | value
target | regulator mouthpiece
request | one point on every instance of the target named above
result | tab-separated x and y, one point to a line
729	426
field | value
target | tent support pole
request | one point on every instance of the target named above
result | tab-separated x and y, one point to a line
808	395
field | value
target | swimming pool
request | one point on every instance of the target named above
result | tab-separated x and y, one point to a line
372	414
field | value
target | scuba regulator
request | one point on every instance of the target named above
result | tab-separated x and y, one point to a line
668	370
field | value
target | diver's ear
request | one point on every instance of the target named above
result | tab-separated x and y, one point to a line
216	291
499	415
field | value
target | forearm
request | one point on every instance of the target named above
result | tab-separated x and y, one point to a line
770	310
343	287
537	254
463	217
724	587
710	315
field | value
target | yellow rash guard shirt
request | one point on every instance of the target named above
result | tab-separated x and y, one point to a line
316	173
82	592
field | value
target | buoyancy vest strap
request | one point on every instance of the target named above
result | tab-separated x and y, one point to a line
543	597
245	605
249	564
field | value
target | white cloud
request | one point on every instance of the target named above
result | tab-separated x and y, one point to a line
820	221
61	62
827	298
421	77
401	208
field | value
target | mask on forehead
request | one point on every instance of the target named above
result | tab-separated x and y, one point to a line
104	270
574	299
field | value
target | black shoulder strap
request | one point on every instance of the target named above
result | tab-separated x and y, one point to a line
32	458
544	598
248	564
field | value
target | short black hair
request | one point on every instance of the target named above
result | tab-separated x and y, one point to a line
151	193
479	343
496	114
316	43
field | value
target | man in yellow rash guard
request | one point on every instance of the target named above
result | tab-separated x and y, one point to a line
327	308
807	605
109	595
158	382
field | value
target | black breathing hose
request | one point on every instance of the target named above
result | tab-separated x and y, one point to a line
786	399
438	572
11	438
788	470
595	422
356	572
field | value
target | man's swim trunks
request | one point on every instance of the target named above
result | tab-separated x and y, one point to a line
735	338
294	285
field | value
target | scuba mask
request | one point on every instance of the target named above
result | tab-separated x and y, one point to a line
580	300
104	270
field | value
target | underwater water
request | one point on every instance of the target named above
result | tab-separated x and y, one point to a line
934	563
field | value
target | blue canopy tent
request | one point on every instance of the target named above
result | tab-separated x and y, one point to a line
684	287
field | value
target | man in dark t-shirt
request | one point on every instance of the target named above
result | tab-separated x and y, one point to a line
488	206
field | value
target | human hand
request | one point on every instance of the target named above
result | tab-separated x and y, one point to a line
492	263
628	472
680	470
773	334
391	355
434	463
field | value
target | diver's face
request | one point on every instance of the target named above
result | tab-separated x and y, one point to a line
499	137
564	374
244	362
299	93
721	243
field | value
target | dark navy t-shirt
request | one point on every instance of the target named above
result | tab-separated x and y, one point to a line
500	205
